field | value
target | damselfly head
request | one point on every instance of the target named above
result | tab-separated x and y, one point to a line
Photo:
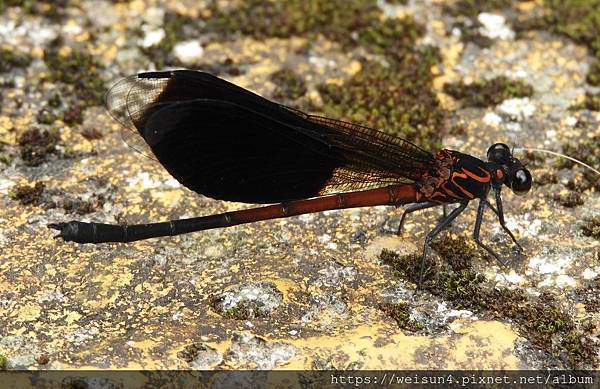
516	176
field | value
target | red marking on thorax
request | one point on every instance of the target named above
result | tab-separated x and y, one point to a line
485	178
463	176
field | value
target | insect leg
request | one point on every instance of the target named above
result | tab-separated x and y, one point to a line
500	213
433	233
476	231
412	208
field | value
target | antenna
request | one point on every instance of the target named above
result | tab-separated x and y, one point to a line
558	155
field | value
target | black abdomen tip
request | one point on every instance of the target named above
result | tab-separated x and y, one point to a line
71	231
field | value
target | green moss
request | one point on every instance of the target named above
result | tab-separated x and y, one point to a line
347	22
54	101
35	145
11	58
73	115
26	194
472	8
5	156
568	199
545	178
80	207
395	97
580	21
190	352
398	100
579	349
393	94
400	312
54	10
405	266
260	19
590	295
489	92
290	86
396	40
92	133
456	252
45	116
77	69
49	113
243	310
3	362
592	101
470	33
540	320
460	286
466	12
591	227
588	151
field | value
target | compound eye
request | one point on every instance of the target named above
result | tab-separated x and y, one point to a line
521	182
499	153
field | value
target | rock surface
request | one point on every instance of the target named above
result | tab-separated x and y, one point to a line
305	292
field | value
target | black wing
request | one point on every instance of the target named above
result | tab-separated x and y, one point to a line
228	143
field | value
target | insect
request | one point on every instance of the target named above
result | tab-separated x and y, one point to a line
227	143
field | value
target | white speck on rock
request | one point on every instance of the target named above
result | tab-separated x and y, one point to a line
306	218
589	274
152	37
321	62
52	295
494	26
492	119
390	10
571	121
459	313
523	224
35	32
563	280
188	51
172	183
145	180
517	108
511	277
72	28
5	185
21	362
513	126
325	238
519	73
546	264
252	300
82	334
153	16
250	350
206	357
